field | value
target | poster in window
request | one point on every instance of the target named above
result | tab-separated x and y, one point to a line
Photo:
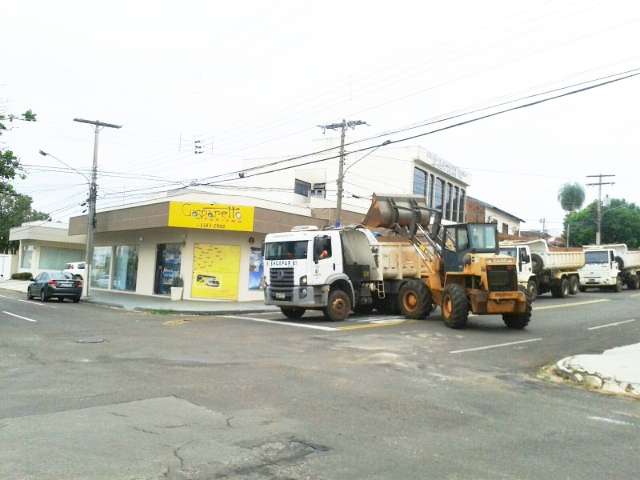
256	269
216	270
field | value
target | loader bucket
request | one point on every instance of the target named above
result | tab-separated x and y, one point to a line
403	210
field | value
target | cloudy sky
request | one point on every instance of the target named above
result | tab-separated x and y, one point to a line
251	80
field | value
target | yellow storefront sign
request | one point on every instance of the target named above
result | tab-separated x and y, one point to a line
208	216
216	269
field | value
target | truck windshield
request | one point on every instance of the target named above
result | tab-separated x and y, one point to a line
286	250
597	257
482	237
508	251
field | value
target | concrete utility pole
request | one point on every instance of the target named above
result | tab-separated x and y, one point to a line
93	194
343	129
599	184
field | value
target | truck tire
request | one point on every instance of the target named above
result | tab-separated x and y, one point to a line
339	306
574	285
618	286
537	264
293	313
532	289
560	289
415	299
634	282
518	321
455	306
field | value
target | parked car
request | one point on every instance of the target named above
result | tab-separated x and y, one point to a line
76	269
58	285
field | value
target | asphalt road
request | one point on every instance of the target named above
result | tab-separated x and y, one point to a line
93	392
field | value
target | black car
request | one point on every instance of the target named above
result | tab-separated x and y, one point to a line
60	285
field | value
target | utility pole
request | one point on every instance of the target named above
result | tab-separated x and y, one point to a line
343	129
93	195
543	221
599	184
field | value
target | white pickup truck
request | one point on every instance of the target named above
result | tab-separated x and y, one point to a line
610	267
542	270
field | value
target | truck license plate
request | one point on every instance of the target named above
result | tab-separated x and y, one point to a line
280	295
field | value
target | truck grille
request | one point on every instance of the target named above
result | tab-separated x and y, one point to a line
502	279
281	278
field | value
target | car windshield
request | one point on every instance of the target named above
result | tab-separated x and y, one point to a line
57	275
511	251
286	250
601	256
482	237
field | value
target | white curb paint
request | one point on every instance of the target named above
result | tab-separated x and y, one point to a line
20	316
499	345
276	322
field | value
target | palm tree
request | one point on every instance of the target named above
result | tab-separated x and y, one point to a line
571	198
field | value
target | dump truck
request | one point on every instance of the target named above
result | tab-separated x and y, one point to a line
542	269
400	260
610	267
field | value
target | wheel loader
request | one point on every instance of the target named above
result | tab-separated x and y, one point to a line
400	260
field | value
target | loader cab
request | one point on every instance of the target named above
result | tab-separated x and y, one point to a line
467	238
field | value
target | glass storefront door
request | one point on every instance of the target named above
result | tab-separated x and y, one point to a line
168	256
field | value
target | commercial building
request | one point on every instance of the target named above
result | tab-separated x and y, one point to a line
479	211
46	246
213	242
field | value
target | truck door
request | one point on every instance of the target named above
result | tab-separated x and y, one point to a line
324	258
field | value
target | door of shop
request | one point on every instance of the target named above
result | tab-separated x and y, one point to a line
216	269
168	257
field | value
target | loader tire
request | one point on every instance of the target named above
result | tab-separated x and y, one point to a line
518	321
292	313
415	300
560	289
574	285
455	306
339	306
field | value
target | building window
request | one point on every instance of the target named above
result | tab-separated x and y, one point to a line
319	190
420	182
52	258
125	268
505	229
456	198
462	205
439	194
302	188
168	261
447	201
431	180
101	267
27	256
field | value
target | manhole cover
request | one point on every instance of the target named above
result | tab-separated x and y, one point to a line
90	340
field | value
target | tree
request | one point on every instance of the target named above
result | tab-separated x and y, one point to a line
620	224
571	198
15	208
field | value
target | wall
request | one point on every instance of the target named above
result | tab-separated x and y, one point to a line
8	264
502	219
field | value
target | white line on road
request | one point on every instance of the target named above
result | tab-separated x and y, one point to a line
634	295
21	317
572	304
27	301
277	322
614	324
499	345
611	420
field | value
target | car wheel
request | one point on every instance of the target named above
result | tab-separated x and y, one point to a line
43	296
76	299
29	296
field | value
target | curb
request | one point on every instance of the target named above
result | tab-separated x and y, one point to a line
171	311
594	380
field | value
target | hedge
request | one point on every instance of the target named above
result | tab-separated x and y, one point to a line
22	276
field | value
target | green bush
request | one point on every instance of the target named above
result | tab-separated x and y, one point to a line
22	276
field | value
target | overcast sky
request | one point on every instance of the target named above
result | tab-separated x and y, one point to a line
251	80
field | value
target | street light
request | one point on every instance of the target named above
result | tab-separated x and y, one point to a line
46	154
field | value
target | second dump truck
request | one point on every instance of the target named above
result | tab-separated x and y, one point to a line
401	260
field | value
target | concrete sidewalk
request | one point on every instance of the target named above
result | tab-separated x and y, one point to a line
157	304
15	285
613	371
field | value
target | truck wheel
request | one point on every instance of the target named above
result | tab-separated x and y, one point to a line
634	282
518	321
339	306
293	313
574	286
560	289
415	299
455	306
618	286
532	289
